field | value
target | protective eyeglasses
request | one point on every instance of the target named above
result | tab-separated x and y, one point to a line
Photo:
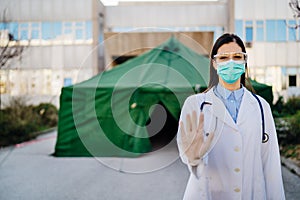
235	56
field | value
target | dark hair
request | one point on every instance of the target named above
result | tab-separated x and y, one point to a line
225	39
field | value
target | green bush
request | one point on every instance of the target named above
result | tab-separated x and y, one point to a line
295	127
20	122
292	106
287	120
277	108
48	114
281	109
288	129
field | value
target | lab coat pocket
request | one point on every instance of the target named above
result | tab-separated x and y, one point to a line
197	188
209	123
210	126
259	191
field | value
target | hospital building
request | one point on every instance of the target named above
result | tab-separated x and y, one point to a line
64	42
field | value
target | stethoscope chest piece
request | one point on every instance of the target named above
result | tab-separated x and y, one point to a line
265	138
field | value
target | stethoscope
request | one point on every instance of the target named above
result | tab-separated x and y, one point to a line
265	136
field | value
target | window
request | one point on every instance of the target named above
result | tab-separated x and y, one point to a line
260	31
47	30
88	30
67	81
292	80
280	30
249	34
12	28
292	35
249	31
57	29
67	26
79	31
239	27
35	31
2	26
276	31
298	30
23	31
271	28
73	30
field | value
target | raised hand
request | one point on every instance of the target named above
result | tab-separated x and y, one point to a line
192	137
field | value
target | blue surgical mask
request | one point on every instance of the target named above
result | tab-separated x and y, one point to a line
230	71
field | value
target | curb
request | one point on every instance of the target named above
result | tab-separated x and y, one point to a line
35	136
38	133
290	165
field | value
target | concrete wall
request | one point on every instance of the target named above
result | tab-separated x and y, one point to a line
44	10
275	54
262	9
271	62
134	43
168	15
45	64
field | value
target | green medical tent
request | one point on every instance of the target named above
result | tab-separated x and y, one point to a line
263	90
110	114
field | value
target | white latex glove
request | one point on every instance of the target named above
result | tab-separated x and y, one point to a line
192	137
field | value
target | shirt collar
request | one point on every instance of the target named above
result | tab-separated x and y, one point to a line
226	93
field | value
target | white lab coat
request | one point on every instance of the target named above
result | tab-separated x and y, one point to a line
237	165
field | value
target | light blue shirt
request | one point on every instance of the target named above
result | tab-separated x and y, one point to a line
231	99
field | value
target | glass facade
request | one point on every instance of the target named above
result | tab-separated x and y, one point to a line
239	28
270	30
49	30
67	81
57	29
218	30
23	29
280	30
292	32
260	31
35	30
249	31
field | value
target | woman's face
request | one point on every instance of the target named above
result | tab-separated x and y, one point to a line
231	47
226	53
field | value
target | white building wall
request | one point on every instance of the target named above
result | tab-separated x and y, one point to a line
44	10
274	54
45	64
168	15
262	9
270	61
78	60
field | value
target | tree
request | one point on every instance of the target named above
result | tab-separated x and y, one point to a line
9	49
295	6
9	46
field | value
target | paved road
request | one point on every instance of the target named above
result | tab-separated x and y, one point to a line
28	172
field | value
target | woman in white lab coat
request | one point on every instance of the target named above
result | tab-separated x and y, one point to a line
227	136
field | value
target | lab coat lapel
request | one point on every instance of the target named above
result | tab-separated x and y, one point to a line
219	110
248	105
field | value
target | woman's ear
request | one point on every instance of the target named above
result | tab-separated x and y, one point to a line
214	64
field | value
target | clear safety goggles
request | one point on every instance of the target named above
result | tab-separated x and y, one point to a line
239	57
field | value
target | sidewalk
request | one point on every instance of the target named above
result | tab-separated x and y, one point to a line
28	172
289	164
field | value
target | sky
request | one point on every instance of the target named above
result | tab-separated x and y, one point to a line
115	2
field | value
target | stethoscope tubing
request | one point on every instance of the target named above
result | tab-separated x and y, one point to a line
265	136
